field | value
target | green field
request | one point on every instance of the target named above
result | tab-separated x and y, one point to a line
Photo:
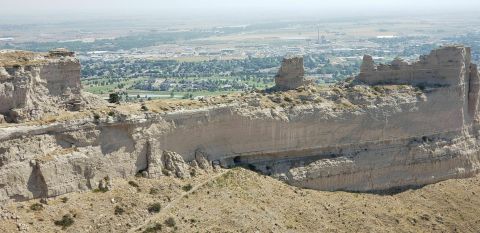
126	85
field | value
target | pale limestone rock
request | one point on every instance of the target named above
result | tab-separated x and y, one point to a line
358	138
367	64
104	184
174	163
440	68
291	74
474	91
399	63
34	84
154	160
201	160
4	75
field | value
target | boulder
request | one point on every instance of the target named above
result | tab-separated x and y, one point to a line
175	164
201	160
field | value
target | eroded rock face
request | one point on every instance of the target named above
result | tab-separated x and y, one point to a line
175	164
368	64
32	84
436	69
291	74
473	91
201	160
154	160
353	137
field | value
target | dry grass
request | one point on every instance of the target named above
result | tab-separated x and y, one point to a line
243	201
20	58
335	97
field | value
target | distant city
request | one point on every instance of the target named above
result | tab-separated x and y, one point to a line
197	61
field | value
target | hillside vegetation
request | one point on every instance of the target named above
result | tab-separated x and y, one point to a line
239	200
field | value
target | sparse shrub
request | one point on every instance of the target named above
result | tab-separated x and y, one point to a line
119	210
187	187
111	113
64	199
288	99
170	222
65	222
133	184
154	191
377	89
114	98
100	190
96	116
36	207
144	108
154	208
188	96
155	228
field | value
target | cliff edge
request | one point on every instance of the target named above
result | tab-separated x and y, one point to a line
35	84
394	126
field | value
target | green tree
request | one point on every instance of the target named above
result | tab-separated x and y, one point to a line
114	98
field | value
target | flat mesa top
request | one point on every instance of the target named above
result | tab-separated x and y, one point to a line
12	58
23	58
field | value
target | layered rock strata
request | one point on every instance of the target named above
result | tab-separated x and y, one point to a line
360	136
33	84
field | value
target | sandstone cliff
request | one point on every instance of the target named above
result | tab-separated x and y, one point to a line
291	74
32	85
365	135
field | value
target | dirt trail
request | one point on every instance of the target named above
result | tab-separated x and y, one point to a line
165	209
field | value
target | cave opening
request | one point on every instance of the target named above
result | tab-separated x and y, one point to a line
237	160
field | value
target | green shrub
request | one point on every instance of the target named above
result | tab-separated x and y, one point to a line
187	187
170	222
154	191
96	116
133	184
36	207
100	190
65	222
155	228
64	199
119	210
111	113
114	98
154	208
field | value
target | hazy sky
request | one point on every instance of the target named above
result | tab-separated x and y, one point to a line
229	8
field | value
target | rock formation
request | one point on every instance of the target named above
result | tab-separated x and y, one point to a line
291	74
435	69
32	84
394	126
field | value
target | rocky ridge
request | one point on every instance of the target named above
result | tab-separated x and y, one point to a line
355	136
35	84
